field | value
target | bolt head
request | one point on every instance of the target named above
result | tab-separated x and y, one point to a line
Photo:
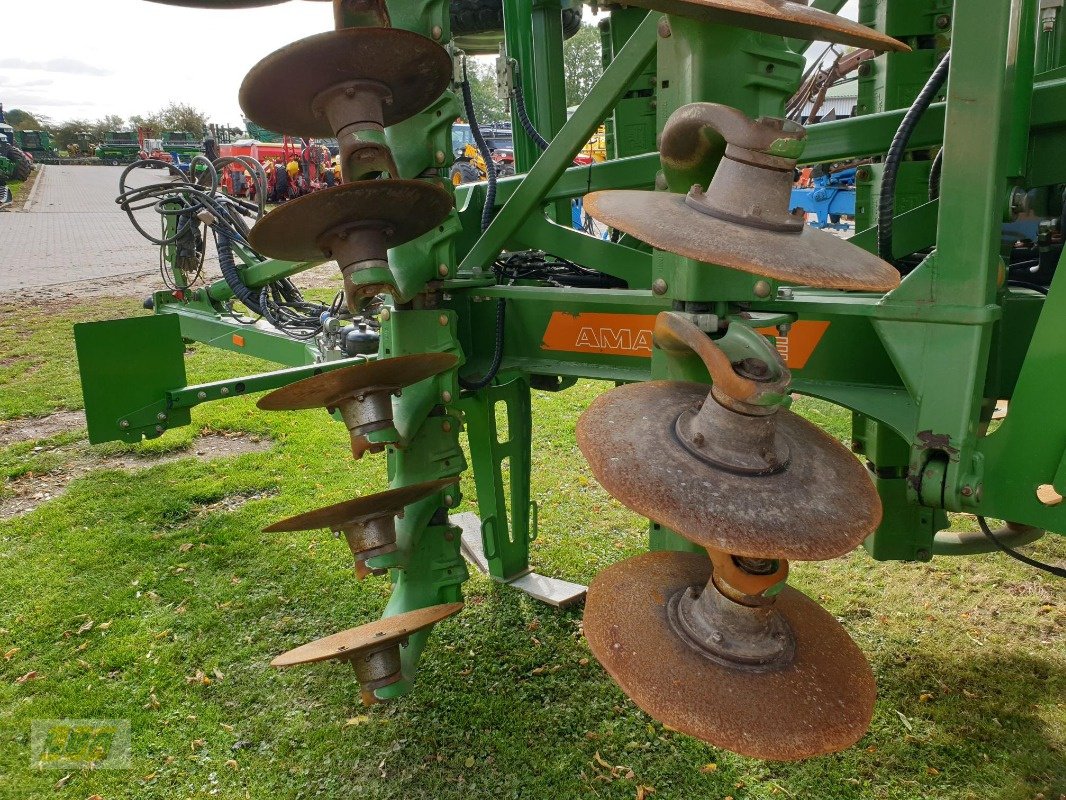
161	416
224	391
124	423
201	395
658	286
349	92
761	289
446	397
943	21
449	501
159	429
446	426
440	156
436	32
385	314
443	319
442	270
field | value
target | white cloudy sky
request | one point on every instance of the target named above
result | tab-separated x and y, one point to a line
87	58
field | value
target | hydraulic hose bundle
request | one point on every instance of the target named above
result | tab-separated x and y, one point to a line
187	207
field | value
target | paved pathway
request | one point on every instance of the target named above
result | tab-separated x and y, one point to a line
72	231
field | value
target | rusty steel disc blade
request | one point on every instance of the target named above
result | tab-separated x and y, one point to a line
780	17
219	3
822	505
406	209
808	258
392	502
326	389
279	91
820	703
349	643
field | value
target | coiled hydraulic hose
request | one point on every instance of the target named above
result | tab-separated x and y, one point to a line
523	112
887	203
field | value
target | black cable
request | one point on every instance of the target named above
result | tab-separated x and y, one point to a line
487	212
1059	572
934	174
887	203
1036	287
488	209
523	113
474	384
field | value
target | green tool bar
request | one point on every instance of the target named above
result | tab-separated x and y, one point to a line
560	153
190	396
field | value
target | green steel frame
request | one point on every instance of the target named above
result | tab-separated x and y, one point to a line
920	367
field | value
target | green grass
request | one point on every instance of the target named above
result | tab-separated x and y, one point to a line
968	654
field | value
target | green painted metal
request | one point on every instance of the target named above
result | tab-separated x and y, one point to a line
145	356
631	127
564	146
919	368
500	432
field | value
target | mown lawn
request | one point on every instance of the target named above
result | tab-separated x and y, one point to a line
150	595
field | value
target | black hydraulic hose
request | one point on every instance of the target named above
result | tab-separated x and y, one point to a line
887	203
483	148
497	355
934	174
233	278
486	220
523	112
1059	572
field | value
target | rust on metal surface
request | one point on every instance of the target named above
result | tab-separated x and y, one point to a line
368	523
384	375
306	229
806	257
388	503
821	505
350	643
819	700
282	91
779	17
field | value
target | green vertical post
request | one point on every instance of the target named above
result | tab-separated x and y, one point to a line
502	491
939	321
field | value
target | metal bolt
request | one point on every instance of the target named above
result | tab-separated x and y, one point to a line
659	286
716	636
437	32
698	440
446	426
449	501
761	289
442	270
784	292
159	429
349	92
664	28
201	395
446	397
443	319
385	314
161	416
943	21
224	391
124	423
440	156
967	491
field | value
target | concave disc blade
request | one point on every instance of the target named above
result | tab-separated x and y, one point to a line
406	209
780	17
820	703
821	506
279	91
326	389
378	504
349	643
807	258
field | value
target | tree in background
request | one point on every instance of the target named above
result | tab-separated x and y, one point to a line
172	117
25	121
488	108
582	62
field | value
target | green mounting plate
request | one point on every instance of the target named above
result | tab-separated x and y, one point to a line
127	366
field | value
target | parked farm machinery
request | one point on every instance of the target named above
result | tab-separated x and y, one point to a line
710	306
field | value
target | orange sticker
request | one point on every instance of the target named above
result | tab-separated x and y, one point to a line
606	334
803	337
238	340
